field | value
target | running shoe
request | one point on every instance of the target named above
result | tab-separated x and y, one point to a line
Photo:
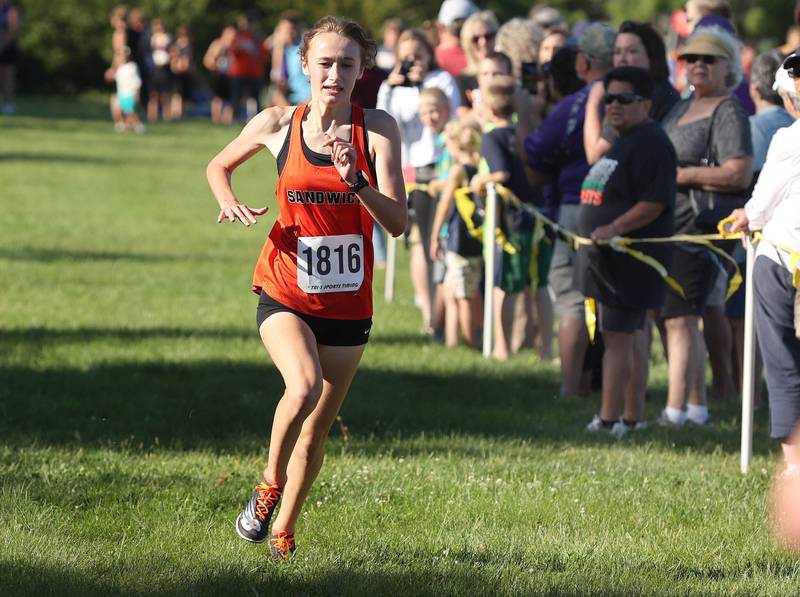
282	546
252	524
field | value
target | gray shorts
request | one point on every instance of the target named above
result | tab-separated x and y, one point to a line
569	300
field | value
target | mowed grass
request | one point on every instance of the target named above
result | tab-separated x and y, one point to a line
135	402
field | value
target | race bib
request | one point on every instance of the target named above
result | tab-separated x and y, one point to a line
330	263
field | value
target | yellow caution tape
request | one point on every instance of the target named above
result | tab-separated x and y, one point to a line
415	186
590	315
466	208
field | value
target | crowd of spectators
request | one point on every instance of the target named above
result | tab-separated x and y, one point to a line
610	132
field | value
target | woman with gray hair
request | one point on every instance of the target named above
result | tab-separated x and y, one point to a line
711	135
519	39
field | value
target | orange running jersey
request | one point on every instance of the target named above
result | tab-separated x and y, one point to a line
318	256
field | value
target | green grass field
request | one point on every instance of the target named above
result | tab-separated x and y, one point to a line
135	401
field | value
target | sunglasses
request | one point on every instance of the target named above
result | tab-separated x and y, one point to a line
704	58
623	99
486	36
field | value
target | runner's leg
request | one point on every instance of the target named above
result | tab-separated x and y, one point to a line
293	349
339	365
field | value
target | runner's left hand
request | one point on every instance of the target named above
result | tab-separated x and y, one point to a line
343	154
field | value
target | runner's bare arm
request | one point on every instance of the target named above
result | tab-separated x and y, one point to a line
262	131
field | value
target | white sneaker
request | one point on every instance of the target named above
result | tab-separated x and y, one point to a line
691	421
663	420
119	127
138	128
619	430
596	424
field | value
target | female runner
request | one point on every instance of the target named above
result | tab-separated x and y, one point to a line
314	275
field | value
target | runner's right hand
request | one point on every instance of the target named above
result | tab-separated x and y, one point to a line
239	211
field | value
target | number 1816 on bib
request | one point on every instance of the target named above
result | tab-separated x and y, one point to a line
330	263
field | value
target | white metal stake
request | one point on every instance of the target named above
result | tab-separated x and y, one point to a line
748	367
489	223
391	264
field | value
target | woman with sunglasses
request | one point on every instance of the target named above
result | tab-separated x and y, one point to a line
478	36
629	192
710	124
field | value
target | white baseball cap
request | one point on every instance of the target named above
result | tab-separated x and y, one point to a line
452	10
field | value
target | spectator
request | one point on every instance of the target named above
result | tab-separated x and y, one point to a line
247	69
710	123
504	166
697	9
770	114
137	36
555	152
384	60
160	84
291	85
773	208
477	39
519	39
489	68
547	18
118	41
551	42
792	41
182	67
129	83
416	69
450	55
629	192
217	61
462	252
639	45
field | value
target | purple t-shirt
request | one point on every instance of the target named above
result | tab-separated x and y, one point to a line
556	147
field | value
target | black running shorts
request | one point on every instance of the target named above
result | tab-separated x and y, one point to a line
328	332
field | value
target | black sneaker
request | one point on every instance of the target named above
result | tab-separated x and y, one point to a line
282	546
252	524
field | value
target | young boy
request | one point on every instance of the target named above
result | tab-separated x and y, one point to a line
512	282
493	66
129	83
462	252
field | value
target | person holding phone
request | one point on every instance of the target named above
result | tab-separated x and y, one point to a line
416	69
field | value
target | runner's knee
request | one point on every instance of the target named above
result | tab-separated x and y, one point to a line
304	394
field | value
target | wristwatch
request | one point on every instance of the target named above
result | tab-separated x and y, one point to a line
361	182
